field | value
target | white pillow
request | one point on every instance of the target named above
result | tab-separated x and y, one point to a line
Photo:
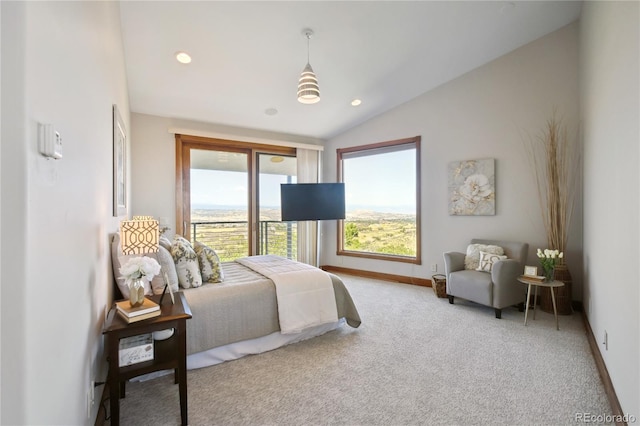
165	242
167	266
186	262
487	260
472	259
209	263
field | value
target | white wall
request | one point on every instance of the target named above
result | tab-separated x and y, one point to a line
154	155
62	63
610	113
486	113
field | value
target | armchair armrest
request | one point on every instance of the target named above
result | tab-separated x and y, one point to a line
506	289
453	261
505	271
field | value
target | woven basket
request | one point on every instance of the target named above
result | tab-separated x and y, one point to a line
439	285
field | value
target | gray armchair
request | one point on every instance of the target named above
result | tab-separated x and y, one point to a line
498	288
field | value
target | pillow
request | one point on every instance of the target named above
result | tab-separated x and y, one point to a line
165	242
186	262
487	260
209	261
164	258
117	260
472	259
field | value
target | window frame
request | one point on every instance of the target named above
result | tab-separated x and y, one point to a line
417	259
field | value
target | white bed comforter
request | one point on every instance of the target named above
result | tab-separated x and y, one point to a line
305	294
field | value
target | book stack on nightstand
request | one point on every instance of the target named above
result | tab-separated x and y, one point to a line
148	309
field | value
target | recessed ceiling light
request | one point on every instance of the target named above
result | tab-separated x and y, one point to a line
356	102
183	57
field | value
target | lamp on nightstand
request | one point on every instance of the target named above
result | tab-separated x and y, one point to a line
141	235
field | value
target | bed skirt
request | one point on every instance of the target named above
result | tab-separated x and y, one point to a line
255	346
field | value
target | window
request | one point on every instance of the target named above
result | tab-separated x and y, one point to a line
382	191
228	196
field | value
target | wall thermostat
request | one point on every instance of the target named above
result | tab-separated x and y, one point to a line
49	141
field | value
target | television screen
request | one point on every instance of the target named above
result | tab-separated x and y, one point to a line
312	201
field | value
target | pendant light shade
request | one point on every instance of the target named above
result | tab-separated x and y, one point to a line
308	88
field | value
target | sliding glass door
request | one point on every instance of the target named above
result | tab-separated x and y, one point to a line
228	196
275	237
219	201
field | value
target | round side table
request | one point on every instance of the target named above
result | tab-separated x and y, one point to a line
536	283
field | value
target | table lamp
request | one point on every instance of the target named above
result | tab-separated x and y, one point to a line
141	235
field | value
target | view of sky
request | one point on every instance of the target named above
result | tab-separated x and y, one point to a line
384	182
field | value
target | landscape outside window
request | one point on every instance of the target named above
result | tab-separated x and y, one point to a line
219	203
382	207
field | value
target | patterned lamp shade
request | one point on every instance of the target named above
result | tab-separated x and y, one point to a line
139	235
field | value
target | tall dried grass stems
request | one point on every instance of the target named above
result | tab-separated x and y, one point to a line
555	160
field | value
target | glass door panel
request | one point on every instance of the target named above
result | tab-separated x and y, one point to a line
274	236
219	201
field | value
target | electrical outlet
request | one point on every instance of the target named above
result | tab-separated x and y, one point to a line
606	341
434	267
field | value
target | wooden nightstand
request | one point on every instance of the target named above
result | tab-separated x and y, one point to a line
168	354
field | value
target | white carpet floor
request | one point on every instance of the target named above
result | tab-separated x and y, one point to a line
415	360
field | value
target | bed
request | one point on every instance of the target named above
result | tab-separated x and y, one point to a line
239	317
243	314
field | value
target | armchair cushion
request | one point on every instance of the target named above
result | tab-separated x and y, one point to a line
474	285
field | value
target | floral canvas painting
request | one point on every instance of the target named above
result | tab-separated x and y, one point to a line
472	188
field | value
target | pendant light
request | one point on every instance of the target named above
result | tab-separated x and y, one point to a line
308	89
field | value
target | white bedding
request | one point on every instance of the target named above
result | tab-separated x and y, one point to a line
305	294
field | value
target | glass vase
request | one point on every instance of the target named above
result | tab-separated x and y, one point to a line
549	275
136	292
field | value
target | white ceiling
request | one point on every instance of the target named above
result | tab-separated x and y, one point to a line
247	56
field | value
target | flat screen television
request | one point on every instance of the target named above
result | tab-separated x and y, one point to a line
312	201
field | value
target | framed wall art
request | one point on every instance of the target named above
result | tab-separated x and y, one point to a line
472	188
119	164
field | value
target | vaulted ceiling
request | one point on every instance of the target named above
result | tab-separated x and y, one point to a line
247	56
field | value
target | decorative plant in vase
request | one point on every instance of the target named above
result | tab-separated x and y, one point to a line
555	159
134	271
549	259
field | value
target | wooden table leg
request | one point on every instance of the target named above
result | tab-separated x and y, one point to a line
535	299
555	310
182	370
114	382
526	311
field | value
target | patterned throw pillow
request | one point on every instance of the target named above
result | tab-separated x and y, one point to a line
472	259
186	262
209	261
487	260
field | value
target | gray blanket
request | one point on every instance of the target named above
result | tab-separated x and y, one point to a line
244	307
